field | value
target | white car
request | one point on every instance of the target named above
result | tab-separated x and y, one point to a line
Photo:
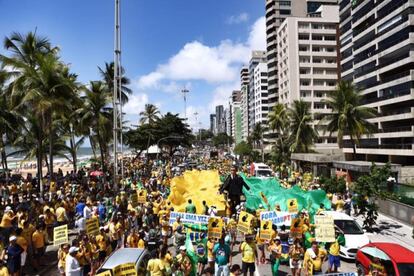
262	170
355	237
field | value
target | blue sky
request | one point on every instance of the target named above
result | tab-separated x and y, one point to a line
166	44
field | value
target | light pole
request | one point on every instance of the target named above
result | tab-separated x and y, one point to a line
165	138
185	92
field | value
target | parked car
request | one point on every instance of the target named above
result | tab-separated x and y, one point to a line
396	259
139	257
355	237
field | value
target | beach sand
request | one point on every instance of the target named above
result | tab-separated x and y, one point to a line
26	169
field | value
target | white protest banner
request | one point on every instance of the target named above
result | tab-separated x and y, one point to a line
188	218
278	218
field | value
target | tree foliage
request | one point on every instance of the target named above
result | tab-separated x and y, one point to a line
222	139
367	189
243	149
333	184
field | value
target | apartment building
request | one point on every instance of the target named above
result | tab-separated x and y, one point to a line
377	54
276	12
308	64
244	101
257	108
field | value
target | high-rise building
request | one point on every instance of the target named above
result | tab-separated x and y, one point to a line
276	12
377	55
235	118
257	67
220	119
213	123
308	64
244	101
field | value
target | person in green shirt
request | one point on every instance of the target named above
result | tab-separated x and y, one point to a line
190	208
222	253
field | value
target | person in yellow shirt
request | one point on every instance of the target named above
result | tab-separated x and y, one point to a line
49	221
165	228
232	229
261	246
102	241
314	259
62	253
340	203
166	259
22	242
275	249
210	255
155	265
39	245
249	255
133	239
61	216
7	223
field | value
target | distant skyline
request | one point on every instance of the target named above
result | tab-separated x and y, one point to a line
166	45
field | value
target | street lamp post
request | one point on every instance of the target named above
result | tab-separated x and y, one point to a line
185	92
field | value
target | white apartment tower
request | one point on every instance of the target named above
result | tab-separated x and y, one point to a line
257	95
307	55
244	101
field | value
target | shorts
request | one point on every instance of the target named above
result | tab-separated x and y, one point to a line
248	267
334	260
39	252
295	264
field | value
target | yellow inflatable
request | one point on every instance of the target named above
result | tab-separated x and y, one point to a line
197	186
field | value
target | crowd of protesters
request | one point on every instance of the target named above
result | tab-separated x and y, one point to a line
29	217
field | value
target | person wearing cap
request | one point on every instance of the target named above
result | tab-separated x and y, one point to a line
6	224
72	267
275	249
249	255
14	252
183	261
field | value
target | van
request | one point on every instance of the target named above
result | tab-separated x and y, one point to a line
262	170
355	237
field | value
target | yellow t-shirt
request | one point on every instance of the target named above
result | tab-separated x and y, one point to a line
317	262
340	205
38	239
210	246
60	214
248	252
49	219
132	240
22	242
155	267
4	271
334	249
141	244
101	241
6	221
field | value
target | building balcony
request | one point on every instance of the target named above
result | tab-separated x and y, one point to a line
403	150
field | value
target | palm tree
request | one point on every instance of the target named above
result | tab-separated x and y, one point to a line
257	137
278	118
150	114
97	114
303	134
279	122
107	75
348	117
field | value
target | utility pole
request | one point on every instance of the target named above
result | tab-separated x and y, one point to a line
117	105
185	92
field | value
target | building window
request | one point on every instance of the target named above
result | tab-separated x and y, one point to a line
284	3
317	26
304	37
330	37
303	26
316	37
303	48
316	49
284	12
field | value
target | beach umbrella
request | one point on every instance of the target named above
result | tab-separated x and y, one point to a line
96	173
375	252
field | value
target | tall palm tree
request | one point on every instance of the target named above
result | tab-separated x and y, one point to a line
278	118
150	114
97	113
107	74
348	117
26	51
303	134
279	122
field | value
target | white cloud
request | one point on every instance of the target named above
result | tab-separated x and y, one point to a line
237	19
194	120
217	65
135	104
257	36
